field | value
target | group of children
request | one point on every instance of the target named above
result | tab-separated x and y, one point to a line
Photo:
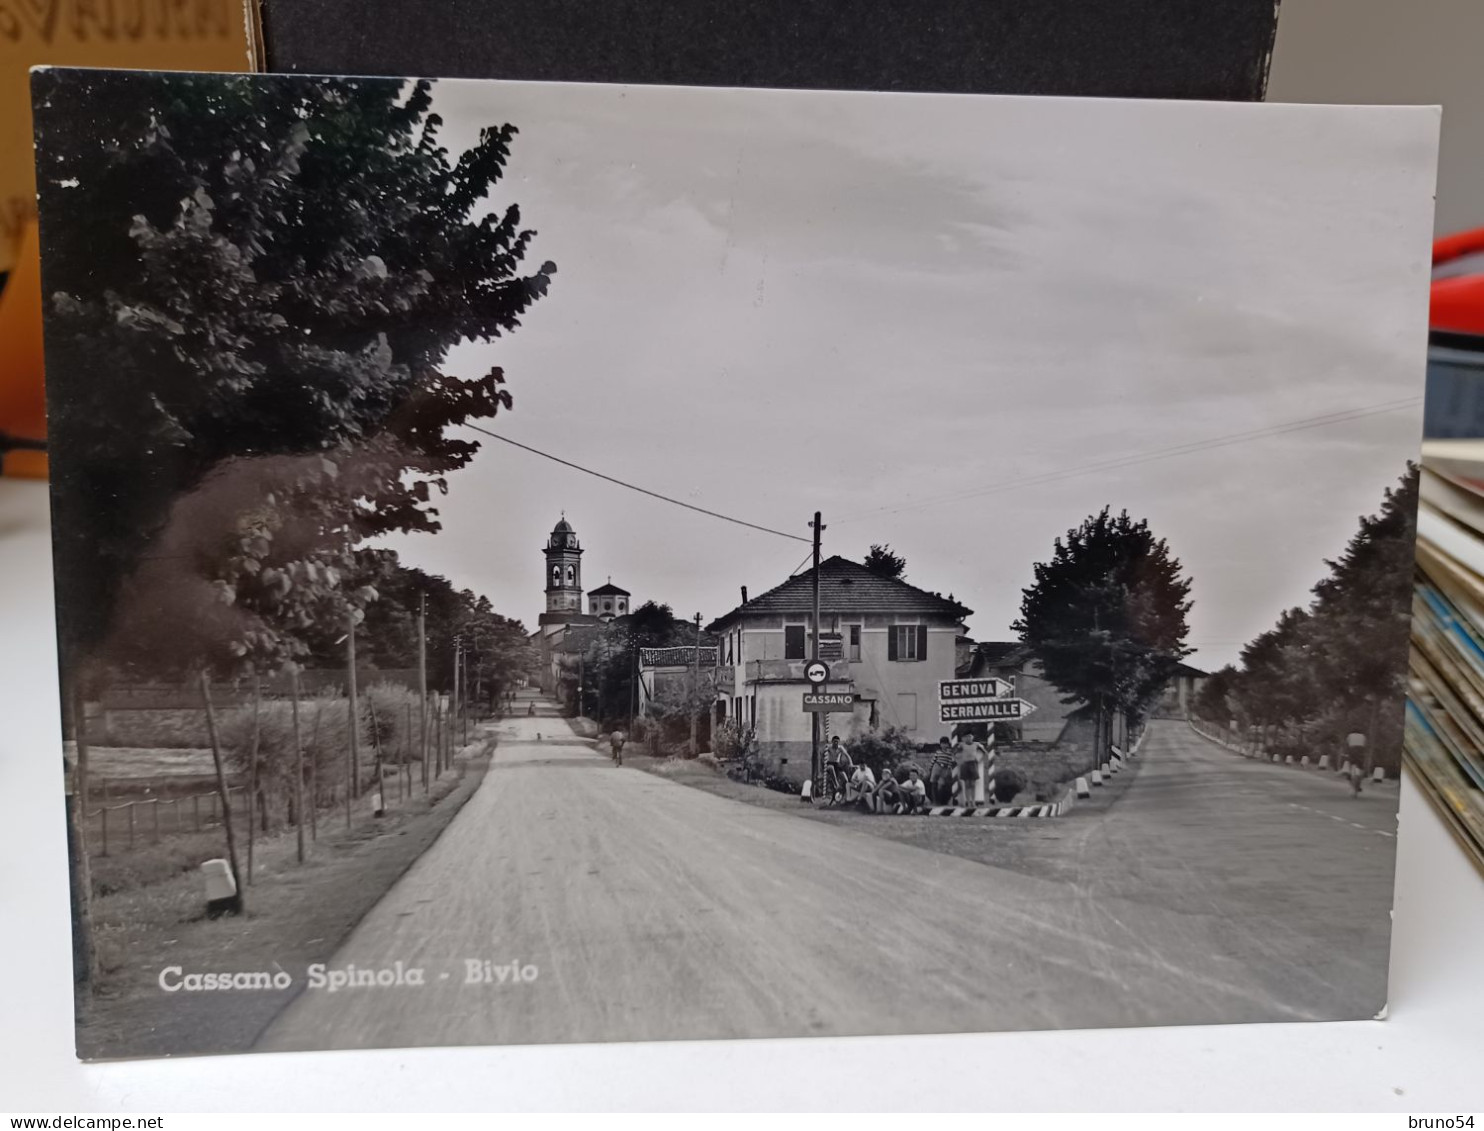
953	779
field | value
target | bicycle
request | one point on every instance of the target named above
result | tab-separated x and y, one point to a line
834	786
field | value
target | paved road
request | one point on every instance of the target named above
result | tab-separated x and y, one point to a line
651	910
1277	872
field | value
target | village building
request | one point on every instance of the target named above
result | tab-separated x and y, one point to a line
559	628
608	601
887	643
1178	700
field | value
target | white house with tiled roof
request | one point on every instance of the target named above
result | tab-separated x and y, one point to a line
894	643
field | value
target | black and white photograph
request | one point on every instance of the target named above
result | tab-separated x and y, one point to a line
549	563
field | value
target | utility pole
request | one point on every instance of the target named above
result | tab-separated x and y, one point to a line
422	683
353	752
458	699
814	766
695	710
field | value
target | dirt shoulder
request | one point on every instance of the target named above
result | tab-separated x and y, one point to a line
297	914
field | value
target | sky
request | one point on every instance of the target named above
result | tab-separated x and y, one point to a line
957	325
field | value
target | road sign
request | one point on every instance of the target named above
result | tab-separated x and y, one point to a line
986	711
831	646
970	690
822	701
817	672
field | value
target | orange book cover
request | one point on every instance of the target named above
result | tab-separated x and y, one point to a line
205	35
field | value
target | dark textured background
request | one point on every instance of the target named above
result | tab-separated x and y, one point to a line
1217	49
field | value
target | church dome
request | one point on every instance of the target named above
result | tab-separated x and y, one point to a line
563	537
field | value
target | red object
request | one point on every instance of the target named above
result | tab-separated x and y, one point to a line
1458	300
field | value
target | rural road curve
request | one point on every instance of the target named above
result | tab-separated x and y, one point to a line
652	910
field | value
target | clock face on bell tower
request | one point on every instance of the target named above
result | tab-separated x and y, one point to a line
563	570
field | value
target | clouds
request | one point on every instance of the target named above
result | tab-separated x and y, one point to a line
770	302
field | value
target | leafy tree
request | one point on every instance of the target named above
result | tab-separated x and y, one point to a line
883	563
1106	616
495	648
1213	701
1361	612
1277	668
251	268
1339	665
610	652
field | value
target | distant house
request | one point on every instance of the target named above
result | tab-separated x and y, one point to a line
1178	699
887	643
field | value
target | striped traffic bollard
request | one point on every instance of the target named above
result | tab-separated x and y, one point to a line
1324	761
1288	760
1097	777
1083	789
985	789
1378	774
1304	761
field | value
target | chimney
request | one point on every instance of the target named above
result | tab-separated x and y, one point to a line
744	594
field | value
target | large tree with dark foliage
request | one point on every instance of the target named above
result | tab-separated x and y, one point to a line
494	648
249	267
1106	616
1338	666
884	563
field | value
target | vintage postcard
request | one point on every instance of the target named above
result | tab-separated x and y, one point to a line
544	563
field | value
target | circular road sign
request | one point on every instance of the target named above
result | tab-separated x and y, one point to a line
817	671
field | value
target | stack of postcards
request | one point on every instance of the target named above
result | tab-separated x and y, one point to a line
1445	708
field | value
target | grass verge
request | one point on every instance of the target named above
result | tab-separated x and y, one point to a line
296	914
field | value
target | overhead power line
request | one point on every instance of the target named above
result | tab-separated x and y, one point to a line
635	487
1134	458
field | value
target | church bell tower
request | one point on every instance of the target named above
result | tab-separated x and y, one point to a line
563	574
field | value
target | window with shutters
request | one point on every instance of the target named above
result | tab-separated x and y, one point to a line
853	644
793	642
907	643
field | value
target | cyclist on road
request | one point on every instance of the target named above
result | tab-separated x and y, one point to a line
616	741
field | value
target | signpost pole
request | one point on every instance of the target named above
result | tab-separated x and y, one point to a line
695	707
814	767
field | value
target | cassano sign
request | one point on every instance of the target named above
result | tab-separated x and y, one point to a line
967	690
829	700
986	711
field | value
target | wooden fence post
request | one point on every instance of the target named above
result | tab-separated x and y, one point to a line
298	767
314	775
221	788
